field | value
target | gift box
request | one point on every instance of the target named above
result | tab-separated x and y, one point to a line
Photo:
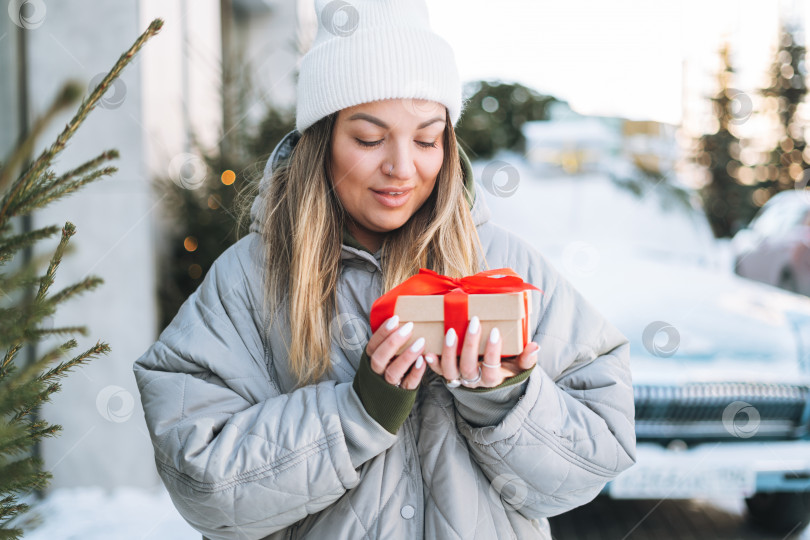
436	303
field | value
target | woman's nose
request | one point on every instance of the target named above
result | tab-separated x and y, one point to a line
400	163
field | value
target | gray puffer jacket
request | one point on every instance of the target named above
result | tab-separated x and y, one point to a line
244	456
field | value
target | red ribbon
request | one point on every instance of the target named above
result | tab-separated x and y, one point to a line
455	291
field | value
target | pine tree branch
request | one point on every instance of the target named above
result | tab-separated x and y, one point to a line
15	243
46	157
19	322
41	397
55	188
9	432
42	199
8	511
17	394
22	475
10	354
21	398
108	155
22	278
67	231
70	291
30	266
62	369
31	377
41	307
54	354
68	94
35	431
38	333
9	501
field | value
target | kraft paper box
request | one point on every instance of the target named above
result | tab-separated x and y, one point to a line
506	311
435	303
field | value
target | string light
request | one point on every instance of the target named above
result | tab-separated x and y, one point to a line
228	177
190	243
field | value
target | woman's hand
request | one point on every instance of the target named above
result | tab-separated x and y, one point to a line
405	370
493	370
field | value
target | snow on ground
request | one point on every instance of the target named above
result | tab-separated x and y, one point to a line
94	513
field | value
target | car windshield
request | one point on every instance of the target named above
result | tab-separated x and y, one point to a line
781	216
554	213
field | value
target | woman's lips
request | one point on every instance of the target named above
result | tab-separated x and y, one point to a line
392	201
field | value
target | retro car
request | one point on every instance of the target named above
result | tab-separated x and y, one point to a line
720	363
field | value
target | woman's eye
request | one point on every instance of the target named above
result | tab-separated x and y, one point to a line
365	143
377	143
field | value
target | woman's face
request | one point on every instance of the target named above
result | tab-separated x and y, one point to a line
367	141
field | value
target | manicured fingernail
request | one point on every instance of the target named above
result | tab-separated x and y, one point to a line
405	330
450	338
494	336
429	359
475	324
419	361
418	344
392	322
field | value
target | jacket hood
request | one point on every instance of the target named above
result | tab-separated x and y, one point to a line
478	207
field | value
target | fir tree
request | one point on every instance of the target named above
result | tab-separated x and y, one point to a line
24	387
494	115
787	89
727	201
207	218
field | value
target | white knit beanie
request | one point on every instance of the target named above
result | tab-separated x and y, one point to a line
369	50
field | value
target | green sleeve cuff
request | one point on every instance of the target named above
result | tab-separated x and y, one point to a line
515	379
389	405
489	406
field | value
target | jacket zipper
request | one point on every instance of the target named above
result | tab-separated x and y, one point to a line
419	484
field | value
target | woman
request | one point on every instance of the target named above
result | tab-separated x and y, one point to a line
273	411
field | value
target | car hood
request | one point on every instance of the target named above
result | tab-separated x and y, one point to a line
689	324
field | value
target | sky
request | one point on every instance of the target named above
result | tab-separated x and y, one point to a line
640	59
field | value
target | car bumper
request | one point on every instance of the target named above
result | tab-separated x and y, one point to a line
714	469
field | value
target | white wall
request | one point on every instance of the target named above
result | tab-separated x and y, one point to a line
9	119
265	34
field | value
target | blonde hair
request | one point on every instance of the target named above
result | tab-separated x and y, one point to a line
303	233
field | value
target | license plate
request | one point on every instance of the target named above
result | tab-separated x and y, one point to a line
683	482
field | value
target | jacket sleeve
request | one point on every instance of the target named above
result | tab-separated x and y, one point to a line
573	429
239	458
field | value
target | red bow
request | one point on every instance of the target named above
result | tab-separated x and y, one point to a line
455	291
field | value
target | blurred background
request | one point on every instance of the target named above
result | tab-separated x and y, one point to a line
655	153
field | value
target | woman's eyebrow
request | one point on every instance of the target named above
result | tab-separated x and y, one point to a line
377	121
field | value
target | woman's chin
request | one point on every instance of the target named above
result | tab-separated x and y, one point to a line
385	224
